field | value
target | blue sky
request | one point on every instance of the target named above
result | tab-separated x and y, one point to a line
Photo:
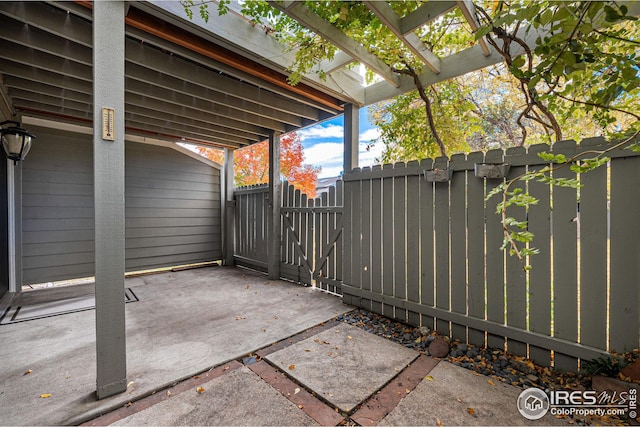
323	144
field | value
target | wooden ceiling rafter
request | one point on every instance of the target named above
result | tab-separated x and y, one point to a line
141	20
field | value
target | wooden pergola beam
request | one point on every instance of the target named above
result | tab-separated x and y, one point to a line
424	14
388	17
315	23
468	10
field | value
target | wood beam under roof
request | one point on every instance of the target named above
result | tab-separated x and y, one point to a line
146	22
315	23
236	33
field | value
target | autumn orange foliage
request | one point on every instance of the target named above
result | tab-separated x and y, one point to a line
251	164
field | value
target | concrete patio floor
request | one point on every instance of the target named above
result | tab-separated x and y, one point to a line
332	374
184	323
187	338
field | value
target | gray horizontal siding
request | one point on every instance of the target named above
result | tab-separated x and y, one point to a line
172	208
182	193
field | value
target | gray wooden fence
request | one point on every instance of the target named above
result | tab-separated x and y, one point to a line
311	234
428	253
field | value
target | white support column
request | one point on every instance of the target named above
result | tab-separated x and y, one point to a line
108	164
275	202
351	136
228	214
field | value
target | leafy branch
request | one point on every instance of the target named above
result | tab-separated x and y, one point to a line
517	237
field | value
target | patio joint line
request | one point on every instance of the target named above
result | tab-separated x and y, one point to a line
381	403
307	401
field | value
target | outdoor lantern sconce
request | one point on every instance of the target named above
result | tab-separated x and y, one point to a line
491	170
15	140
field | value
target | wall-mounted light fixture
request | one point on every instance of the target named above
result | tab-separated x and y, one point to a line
15	140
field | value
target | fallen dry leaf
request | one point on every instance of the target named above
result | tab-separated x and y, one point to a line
491	383
292	367
200	390
168	392
429	378
45	395
128	404
297	390
471	412
406	390
300	406
349	337
29	371
439	422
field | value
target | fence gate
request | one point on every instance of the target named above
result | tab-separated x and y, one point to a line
311	250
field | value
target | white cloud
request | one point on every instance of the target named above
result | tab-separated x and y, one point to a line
322	152
319	131
330	171
369	134
368	157
329	155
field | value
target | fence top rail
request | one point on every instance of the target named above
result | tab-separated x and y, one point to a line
516	156
260	188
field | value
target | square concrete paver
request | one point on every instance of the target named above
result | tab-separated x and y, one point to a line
458	396
344	365
237	398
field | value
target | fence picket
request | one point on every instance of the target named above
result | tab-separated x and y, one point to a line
625	247
427	281
365	253
387	237
346	234
475	236
339	243
540	274
413	242
400	241
593	238
494	256
441	219
565	264
331	225
516	281
376	240
458	233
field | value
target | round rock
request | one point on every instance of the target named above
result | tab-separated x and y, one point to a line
439	347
